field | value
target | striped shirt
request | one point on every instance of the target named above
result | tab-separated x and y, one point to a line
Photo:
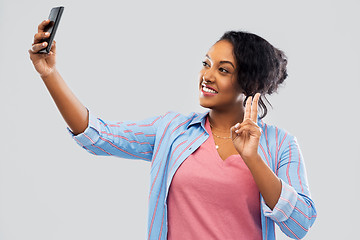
166	141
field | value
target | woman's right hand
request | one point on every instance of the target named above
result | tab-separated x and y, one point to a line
44	63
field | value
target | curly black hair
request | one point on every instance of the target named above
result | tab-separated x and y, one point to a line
260	66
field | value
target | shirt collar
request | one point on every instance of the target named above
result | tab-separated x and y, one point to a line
200	118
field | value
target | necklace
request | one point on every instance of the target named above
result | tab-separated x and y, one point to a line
217	135
217	146
220	136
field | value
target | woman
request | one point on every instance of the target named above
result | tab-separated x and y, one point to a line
223	174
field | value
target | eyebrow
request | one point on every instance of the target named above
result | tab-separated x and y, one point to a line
221	61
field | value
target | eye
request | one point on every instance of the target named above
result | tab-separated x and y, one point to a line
205	64
223	70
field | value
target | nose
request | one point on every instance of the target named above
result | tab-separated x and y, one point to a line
208	76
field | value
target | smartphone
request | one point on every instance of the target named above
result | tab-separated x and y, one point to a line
55	16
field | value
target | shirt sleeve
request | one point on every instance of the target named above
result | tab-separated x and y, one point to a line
295	211
132	140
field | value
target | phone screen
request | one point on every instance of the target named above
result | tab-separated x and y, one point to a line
54	17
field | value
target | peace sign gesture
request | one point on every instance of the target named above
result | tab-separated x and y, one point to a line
246	135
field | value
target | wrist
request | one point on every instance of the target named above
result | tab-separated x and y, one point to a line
250	161
49	74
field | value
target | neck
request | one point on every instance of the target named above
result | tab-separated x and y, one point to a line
223	121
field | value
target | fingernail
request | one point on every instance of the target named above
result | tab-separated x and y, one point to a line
237	125
44	43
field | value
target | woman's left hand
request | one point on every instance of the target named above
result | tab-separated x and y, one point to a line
246	135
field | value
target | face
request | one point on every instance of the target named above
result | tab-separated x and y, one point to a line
218	87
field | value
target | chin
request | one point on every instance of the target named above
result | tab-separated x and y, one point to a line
205	104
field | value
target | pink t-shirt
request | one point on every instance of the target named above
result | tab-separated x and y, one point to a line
210	198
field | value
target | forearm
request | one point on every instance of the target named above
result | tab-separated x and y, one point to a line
73	112
268	183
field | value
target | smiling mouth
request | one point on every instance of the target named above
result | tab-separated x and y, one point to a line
208	89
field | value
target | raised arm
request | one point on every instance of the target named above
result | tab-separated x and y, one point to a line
74	113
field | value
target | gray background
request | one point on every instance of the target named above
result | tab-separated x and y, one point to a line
129	60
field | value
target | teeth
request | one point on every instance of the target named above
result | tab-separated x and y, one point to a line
205	89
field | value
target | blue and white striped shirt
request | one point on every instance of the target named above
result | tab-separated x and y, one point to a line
166	141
